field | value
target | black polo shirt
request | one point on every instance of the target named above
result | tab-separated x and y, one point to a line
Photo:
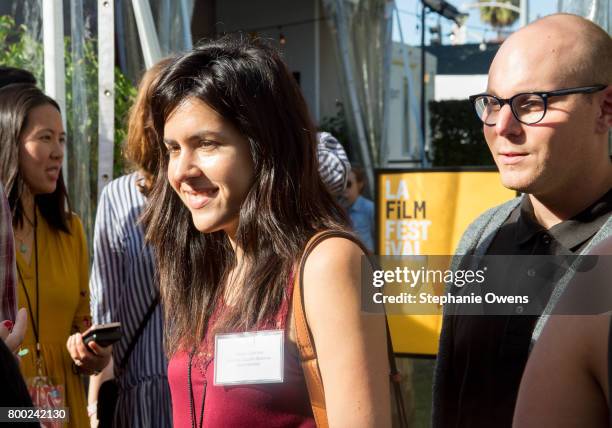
489	352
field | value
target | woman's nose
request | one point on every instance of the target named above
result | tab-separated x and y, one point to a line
183	167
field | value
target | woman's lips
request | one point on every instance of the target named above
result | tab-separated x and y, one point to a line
511	158
199	198
53	172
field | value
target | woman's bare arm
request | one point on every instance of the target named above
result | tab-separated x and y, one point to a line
351	345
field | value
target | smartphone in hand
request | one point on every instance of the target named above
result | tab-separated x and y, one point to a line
103	334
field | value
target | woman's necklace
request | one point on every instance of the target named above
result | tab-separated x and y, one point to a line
23	246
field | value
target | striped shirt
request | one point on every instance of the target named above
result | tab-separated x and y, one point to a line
334	165
8	307
123	287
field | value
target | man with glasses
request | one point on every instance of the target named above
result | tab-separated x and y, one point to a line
546	115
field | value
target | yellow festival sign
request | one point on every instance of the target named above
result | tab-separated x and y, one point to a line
425	212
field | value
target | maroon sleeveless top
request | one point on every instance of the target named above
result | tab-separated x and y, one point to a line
257	405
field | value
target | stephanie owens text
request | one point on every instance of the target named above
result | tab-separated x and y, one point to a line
407	298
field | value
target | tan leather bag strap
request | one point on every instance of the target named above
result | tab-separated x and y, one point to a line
308	354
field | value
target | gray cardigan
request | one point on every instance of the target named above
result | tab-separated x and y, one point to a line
476	241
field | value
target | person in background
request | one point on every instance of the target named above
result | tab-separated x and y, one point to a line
8	274
10	75
14	392
546	118
52	262
568	377
9	318
236	199
13	327
360	209
123	282
334	165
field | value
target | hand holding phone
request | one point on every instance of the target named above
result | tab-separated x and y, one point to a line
90	351
103	334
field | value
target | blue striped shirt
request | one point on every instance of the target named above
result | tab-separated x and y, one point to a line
123	286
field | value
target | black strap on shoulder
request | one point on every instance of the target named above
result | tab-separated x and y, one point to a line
138	333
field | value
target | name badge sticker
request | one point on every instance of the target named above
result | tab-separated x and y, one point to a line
249	358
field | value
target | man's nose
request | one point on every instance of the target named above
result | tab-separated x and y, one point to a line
506	123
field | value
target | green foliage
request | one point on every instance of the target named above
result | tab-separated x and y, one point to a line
499	17
457	138
125	94
18	49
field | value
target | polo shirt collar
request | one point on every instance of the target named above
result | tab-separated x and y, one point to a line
569	233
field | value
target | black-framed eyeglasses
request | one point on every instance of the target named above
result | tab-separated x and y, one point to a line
528	108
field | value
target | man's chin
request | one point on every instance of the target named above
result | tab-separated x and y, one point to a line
517	183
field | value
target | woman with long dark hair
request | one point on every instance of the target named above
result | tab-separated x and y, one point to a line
51	250
236	200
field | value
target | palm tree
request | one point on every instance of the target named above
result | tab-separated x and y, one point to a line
499	17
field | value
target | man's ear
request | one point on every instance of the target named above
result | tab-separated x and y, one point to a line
604	121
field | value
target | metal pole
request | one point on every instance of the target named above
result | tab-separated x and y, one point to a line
352	92
55	70
120	32
423	133
317	64
106	91
146	32
524	14
186	25
412	99
387	59
163	23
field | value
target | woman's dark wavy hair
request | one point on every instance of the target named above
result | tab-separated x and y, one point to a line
247	83
16	102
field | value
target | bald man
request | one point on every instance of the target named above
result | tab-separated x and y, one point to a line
547	114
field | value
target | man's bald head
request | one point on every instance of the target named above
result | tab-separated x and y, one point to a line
570	140
580	50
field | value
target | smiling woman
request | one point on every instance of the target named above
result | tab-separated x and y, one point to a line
209	165
40	161
52	262
237	198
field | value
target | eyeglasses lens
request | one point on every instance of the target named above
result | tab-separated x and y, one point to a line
487	109
529	108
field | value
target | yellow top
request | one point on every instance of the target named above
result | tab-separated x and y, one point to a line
63	268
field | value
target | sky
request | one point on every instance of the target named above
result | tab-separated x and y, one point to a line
410	10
